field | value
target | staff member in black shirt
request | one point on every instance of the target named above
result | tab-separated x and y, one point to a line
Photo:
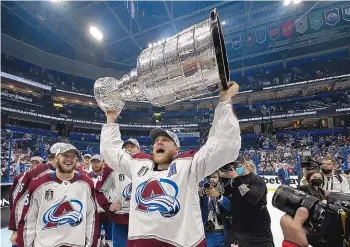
246	198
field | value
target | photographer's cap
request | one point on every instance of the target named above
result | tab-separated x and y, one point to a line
131	141
159	131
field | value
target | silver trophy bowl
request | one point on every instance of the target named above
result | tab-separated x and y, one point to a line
187	65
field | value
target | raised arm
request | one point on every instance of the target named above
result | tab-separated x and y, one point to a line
224	140
111	146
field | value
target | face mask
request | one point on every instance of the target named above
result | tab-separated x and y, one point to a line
240	170
326	171
316	182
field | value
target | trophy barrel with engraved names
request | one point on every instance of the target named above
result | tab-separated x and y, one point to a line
187	65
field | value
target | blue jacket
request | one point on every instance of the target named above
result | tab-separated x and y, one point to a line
282	176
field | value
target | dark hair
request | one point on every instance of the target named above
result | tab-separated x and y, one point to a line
312	172
51	156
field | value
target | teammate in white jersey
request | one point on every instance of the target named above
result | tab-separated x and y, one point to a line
60	209
164	205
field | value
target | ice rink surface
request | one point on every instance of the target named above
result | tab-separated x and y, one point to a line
275	225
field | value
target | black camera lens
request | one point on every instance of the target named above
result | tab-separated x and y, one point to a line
206	185
289	200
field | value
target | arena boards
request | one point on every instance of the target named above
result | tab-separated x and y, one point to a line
272	181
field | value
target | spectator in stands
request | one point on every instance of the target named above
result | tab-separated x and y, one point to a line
333	182
284	175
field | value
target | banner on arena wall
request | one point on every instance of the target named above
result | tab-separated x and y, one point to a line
237	42
272	182
249	39
273	32
345	10
301	25
5	204
260	35
332	16
287	28
316	20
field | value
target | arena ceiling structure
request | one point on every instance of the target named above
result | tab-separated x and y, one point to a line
255	32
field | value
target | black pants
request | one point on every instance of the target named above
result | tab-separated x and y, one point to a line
253	242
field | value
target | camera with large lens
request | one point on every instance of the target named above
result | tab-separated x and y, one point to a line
328	225
203	186
310	164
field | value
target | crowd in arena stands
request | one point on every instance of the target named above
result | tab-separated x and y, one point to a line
254	80
314	70
46	76
321	100
268	151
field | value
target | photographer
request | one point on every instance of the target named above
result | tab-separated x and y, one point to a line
213	214
315	181
333	182
251	225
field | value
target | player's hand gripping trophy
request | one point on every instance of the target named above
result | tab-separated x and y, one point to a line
186	65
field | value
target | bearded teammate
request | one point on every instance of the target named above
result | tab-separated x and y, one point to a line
17	181
164	206
60	208
18	201
99	174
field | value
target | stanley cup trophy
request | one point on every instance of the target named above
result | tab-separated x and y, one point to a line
186	65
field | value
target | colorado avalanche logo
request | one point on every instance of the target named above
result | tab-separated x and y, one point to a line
65	212
127	192
158	195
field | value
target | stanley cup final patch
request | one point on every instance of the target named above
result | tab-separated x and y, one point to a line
243	188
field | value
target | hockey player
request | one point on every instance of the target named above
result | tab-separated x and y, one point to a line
18	201
99	174
60	208
164	205
17	181
113	195
122	193
87	163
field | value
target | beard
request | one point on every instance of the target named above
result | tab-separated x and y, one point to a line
64	169
97	169
164	158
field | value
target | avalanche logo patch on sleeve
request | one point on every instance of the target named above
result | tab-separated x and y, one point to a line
127	192
65	212
158	195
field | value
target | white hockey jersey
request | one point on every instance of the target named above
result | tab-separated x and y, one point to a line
164	205
59	213
114	187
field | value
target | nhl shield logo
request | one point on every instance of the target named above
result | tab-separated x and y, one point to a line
49	195
121	177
